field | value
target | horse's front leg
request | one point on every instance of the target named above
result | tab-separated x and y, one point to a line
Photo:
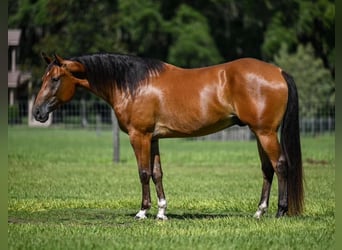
141	144
157	177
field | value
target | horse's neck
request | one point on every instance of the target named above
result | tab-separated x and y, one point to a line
107	96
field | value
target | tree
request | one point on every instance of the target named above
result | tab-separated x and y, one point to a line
144	29
75	27
184	39
311	22
277	35
192	45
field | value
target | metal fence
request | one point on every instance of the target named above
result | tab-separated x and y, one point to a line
97	115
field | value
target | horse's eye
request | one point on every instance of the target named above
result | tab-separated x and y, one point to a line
55	79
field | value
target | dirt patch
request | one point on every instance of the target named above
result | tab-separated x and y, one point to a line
317	162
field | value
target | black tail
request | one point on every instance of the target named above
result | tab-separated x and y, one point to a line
290	144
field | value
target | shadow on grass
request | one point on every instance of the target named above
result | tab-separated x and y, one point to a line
104	217
205	216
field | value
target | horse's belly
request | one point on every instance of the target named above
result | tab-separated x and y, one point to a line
190	129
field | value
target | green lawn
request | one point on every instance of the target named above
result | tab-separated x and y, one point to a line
64	192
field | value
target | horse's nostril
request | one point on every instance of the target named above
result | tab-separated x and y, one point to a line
36	112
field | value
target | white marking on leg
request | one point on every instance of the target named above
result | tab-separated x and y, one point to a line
141	214
162	204
261	210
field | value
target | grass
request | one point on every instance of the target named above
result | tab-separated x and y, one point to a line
65	193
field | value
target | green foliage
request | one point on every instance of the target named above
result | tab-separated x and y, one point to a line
192	44
314	82
65	193
143	27
277	35
77	28
308	22
318	17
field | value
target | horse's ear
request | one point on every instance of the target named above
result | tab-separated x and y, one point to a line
46	58
59	60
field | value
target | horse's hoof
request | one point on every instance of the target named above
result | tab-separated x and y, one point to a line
141	215
282	211
161	217
258	215
260	212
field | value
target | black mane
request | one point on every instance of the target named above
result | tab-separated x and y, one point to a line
124	71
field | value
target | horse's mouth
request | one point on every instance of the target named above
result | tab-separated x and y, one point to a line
41	118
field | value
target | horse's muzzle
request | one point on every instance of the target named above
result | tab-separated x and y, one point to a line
41	114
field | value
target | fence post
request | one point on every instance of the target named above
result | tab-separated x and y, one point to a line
98	124
116	138
84	121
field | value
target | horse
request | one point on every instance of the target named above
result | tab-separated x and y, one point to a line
153	100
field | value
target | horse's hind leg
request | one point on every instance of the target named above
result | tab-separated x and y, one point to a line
268	173
157	177
269	143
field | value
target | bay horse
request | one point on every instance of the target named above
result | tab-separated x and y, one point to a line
153	100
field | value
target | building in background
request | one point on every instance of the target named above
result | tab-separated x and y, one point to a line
18	80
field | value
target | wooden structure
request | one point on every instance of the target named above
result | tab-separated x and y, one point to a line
16	78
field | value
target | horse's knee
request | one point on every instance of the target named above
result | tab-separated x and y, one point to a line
157	174
144	175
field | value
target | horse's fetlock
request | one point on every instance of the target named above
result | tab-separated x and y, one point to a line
146	204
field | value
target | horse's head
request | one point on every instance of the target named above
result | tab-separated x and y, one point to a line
58	85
